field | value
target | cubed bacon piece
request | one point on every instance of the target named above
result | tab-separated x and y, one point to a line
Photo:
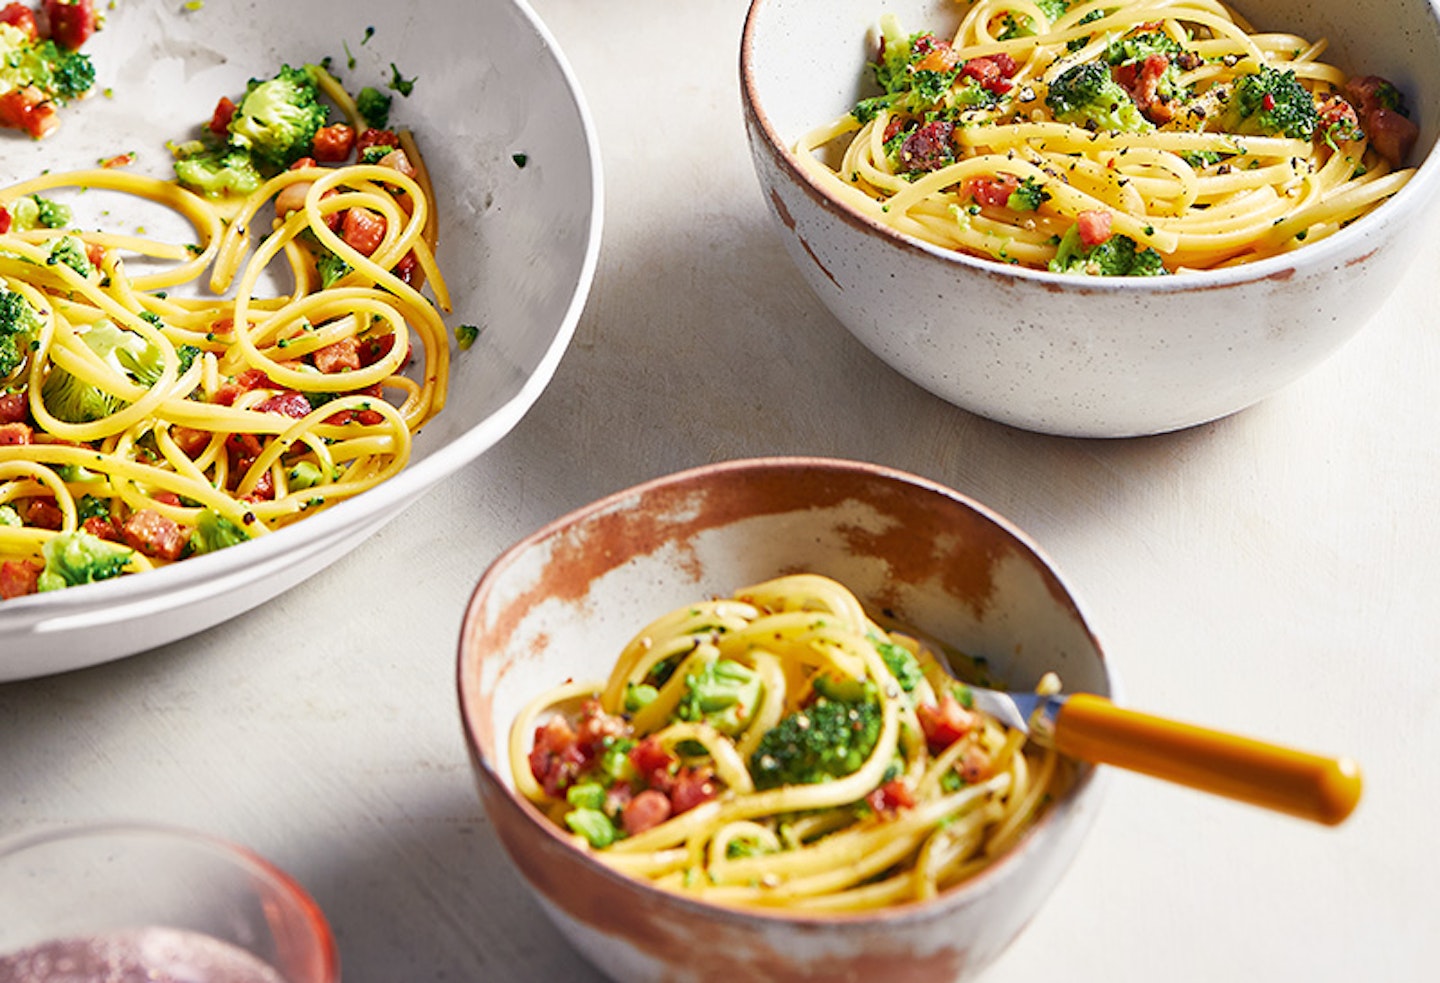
18	578
221	117
154	534
5	220
375	138
989	72
692	787
654	763
15	434
928	148
363	230
22	18
891	797
193	442
42	513
648	809
944	723
1094	227
27	109
993	192
341	356
14	407
555	757
288	403
102	529
69	23
333	143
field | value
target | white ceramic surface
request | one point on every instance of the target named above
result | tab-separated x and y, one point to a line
518	246
562	603
1066	355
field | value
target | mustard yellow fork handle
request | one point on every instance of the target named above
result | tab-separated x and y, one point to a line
1310	786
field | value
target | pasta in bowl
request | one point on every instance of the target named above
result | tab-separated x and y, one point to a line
930	870
1095	219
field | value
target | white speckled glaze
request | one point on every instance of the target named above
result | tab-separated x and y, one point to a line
518	246
1064	355
562	603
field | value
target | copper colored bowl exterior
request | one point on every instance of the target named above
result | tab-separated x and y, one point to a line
562	603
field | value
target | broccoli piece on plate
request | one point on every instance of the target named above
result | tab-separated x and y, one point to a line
1118	255
1134	52
19	326
34	212
374	106
1028	197
218	172
1022	26
213	532
73	558
59	74
724	694
73	400
1086	95
70	251
1270	102
829	738
900	661
276	120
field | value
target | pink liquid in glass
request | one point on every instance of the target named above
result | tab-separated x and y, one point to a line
146	955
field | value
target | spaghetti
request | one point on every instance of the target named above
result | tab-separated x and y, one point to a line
1166	134
148	413
779	748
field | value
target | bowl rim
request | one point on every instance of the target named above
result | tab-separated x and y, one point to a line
354	518
1337	249
243	857
1080	803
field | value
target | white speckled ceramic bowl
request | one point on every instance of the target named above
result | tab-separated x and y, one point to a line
562	603
518	246
1067	355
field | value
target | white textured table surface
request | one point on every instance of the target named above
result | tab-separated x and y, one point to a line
1277	572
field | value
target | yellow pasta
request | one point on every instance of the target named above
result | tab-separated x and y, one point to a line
1126	137
781	749
191	393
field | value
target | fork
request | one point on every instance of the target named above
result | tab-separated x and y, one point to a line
1091	728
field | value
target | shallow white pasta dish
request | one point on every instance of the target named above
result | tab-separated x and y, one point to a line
509	152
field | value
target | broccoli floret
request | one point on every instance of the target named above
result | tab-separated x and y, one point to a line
827	739
900	661
276	120
1024	27
304	475
1135	48
1086	95
1270	102
466	335
73	558
724	694
9	517
213	532
70	251
73	400
374	106
1118	255
219	172
330	267
19	325
34	212
61	75
375	153
1028	197
920	92
92	507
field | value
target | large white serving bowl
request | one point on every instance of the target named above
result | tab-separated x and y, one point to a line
1080	356
518	245
562	603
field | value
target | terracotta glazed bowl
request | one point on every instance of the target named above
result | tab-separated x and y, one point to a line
563	602
1082	356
